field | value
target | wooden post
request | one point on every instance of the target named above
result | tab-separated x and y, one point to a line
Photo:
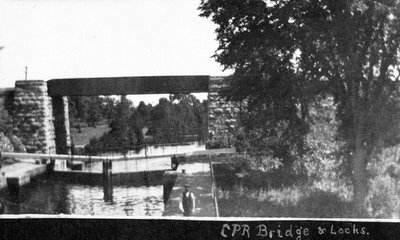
174	163
107	180
51	165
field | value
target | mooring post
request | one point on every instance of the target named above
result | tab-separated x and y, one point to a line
51	165
69	163
107	180
174	163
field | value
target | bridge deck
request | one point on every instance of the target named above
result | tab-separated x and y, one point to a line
127	85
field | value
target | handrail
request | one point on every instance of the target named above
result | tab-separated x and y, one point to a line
86	158
83	158
213	188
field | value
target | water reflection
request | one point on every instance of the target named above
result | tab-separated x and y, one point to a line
51	196
127	201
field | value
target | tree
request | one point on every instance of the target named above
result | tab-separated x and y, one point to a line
139	119
90	109
191	113
287	53
162	128
123	135
200	112
109	108
93	114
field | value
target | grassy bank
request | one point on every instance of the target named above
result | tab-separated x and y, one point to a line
253	193
82	137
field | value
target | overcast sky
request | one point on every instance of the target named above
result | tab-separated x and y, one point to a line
98	38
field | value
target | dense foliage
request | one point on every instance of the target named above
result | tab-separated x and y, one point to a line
178	119
288	55
90	110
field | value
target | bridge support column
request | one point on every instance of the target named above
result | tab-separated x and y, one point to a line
33	116
61	125
222	115
107	180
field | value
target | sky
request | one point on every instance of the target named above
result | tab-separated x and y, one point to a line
101	38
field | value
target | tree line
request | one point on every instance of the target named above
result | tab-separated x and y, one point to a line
178	119
288	56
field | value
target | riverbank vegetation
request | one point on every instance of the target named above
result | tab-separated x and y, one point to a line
179	119
320	84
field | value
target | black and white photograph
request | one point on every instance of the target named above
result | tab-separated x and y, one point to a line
235	119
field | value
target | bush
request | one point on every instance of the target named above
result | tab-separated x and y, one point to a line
383	200
260	171
218	142
321	204
5	144
256	162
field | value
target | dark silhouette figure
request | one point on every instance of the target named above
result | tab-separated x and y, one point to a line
187	204
2	209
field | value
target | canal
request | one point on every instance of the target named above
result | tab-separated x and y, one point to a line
50	194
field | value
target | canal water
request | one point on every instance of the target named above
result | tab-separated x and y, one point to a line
51	195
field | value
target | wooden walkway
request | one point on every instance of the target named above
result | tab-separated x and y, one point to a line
20	173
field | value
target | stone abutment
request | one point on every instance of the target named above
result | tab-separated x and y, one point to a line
33	116
222	115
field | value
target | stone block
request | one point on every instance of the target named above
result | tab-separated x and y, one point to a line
215	88
42	138
230	121
31	119
213	105
217	79
218	111
15	182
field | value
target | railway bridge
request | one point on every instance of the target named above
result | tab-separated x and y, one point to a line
40	108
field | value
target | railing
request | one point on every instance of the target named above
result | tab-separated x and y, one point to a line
83	158
89	158
213	187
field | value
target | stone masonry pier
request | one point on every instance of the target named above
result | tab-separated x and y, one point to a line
222	115
33	116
